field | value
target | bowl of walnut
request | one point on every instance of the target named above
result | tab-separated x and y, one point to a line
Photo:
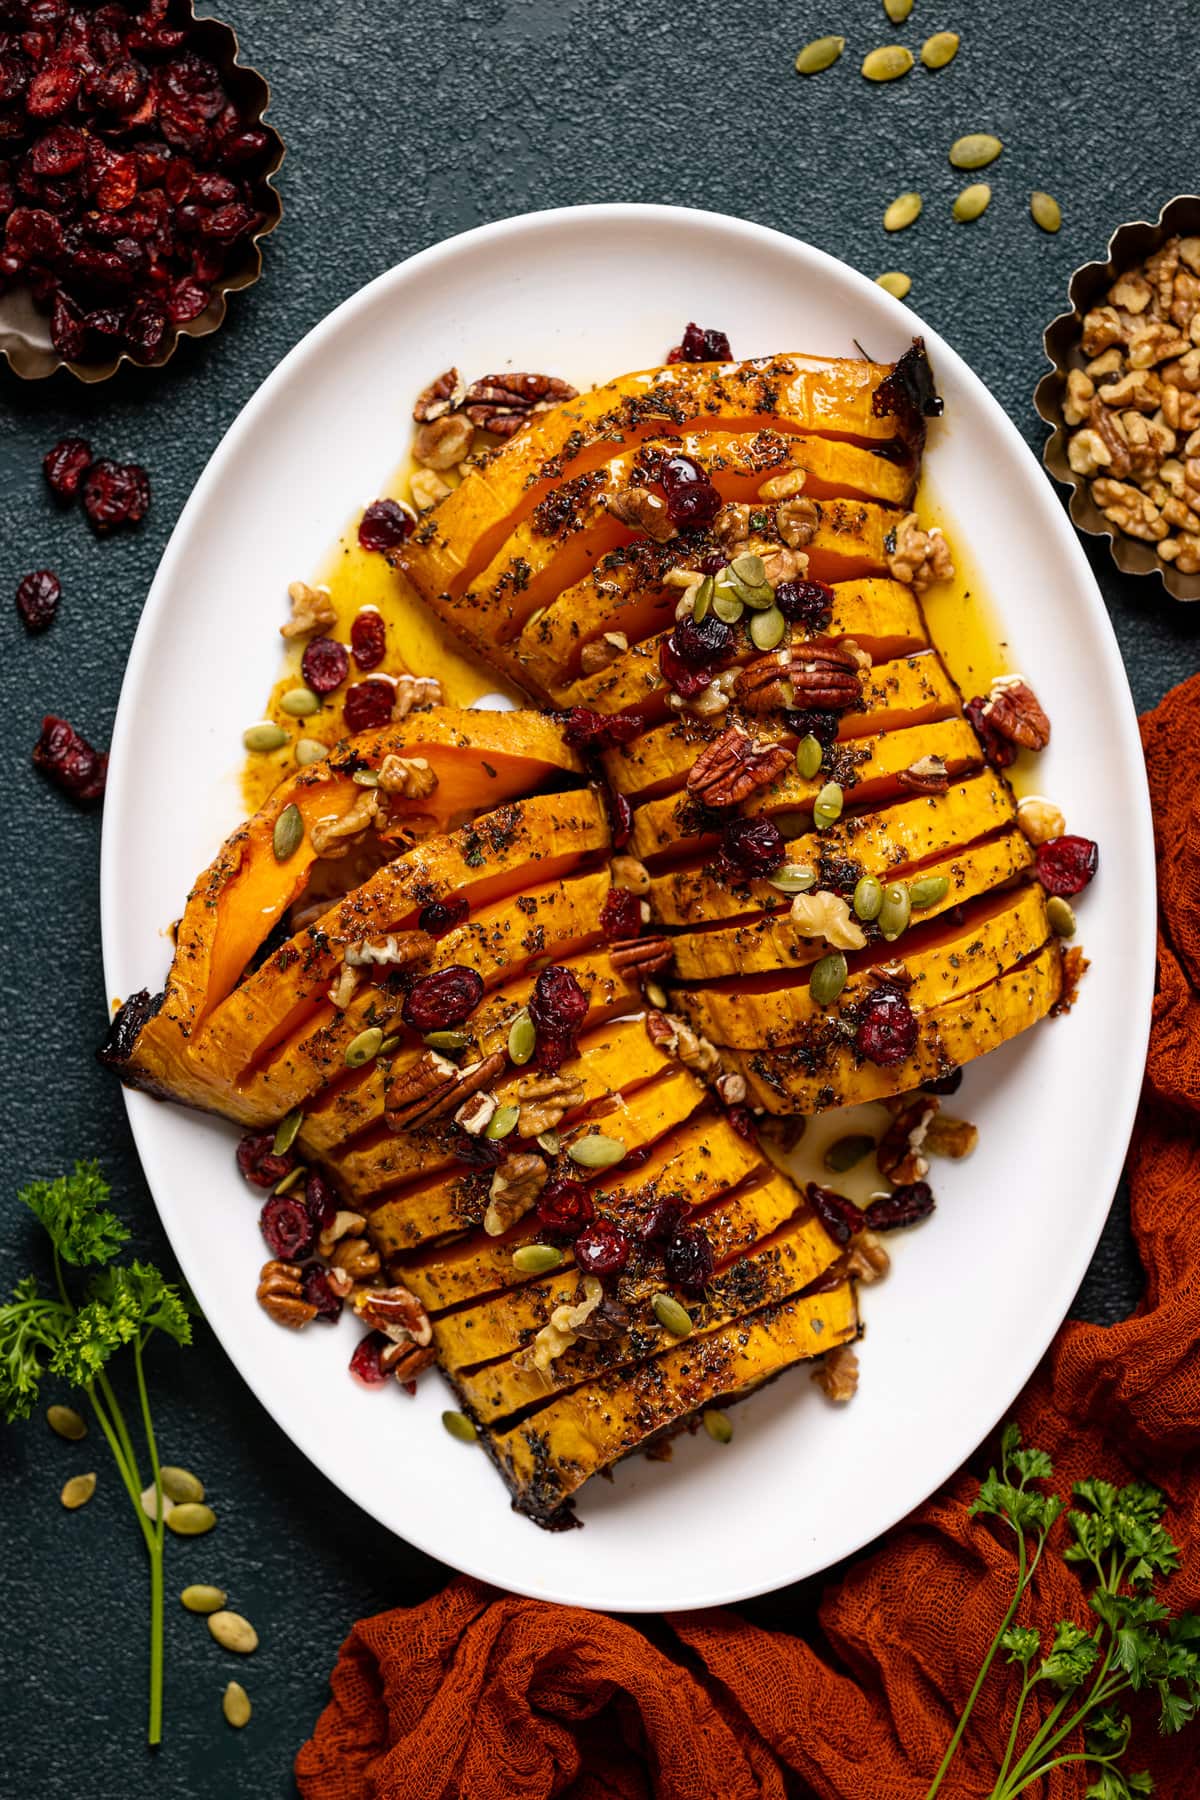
1123	397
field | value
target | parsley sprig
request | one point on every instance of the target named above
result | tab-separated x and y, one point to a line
120	1307
1068	1706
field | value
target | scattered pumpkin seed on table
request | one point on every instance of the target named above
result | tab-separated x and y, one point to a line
895	283
821	54
289	832
973	202
191	1519
180	1485
975	151
235	1704
65	1422
1045	210
233	1632
940	49
78	1491
897	10
149	1500
201	1599
264	737
460	1427
887	63
904	211
718	1426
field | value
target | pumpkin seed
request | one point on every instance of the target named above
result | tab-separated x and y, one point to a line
718	1426
1061	916
289	832
904	211
537	1259
792	878
180	1485
292	1179
656	995
847	1152
502	1122
868	897
78	1491
286	1131
596	1151
727	606
975	151
828	806
550	1142
671	1315
887	63
65	1422
366	1045
389	1044
940	49
264	737
310	750
233	1632
365	778
446	1040
928	891
460	1427
895	911
522	1039
1045	210
808	756
972	202
821	54
895	283
200	1599
300	703
704	599
149	1500
235	1704
748	568
191	1519
828	978
767	628
897	10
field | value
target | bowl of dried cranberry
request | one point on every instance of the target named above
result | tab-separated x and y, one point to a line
134	182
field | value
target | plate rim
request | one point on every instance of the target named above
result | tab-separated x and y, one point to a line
1139	973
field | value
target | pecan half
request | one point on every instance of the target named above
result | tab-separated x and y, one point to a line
1013	709
408	1092
900	1152
951	1137
406	1361
825	676
928	775
675	1037
443	443
396	1312
396	950
281	1295
502	403
639	957
468	1081
734	766
440	397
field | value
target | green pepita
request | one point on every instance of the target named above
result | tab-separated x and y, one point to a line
447	1040
235	1704
704	599
233	1632
897	10
1045	210
65	1422
78	1491
550	1142
827	807
822	53
596	1151
767	628
264	737
887	63
389	1044
809	755
365	778
973	202
502	1122
868	897
191	1519
847	1152
671	1315
366	1045
149	1500
975	151
310	750
1061	916
180	1485
793	878
655	995
748	568
727	606
828	978
928	891
289	832
895	283
537	1259
904	211
292	1179
895	911
460	1427
200	1599
300	703
286	1131
940	49
718	1426
522	1039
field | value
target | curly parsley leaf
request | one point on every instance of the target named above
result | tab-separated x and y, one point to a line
31	1328
1022	1644
74	1211
122	1304
1111	1784
1072	1656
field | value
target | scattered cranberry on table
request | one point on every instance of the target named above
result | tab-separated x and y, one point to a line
70	761
38	596
65	464
115	494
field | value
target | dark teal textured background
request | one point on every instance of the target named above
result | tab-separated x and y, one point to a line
404	125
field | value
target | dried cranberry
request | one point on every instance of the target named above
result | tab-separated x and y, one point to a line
115	494
742	1120
688	1259
62	149
679	675
285	1224
807	721
226	224
602	1248
187	299
69	760
840	1217
904	1206
558	1003
620	817
384	525
118	185
998	749
443	1000
368	704
621	914
38	596
592	731
475	1152
321	1200
315	1287
325	664
710	641
441	916
118	88
753	846
692	500
68	329
563	1209
663	1220
887	1027
52	90
553	1049
368	638
258	1162
1065	865
632	1159
365	1363
805	603
699	345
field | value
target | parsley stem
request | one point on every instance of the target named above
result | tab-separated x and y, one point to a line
972	1697
118	1457
154	1726
115	1414
1027	1688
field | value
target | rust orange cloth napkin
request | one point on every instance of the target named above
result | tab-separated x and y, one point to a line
477	1695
